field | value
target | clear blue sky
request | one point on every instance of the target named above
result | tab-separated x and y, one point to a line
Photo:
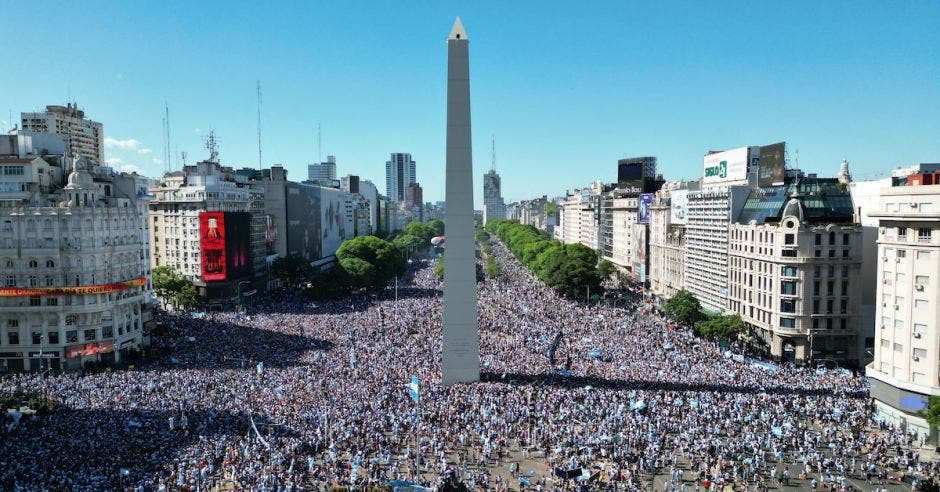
566	87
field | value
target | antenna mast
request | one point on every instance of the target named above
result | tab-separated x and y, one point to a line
212	146
259	125
169	153
493	154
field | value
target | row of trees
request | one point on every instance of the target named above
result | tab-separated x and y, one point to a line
570	269
686	309
173	288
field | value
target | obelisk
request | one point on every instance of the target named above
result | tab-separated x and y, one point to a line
461	358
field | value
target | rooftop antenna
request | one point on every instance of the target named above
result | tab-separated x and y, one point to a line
183	157
493	154
259	125
212	146
169	154
166	165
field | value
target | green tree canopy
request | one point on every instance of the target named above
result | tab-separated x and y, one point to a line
605	269
360	274
387	259
438	226
423	231
722	328
685	308
173	288
932	414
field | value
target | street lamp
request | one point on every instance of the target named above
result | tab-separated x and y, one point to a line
238	288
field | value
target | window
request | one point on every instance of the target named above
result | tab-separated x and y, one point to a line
13	323
832	253
885	343
815	306
37	337
788	239
843	306
815	323
845	270
899	300
788	271
920	353
920	304
787	306
923	234
788	288
921	280
845	239
53	338
107	332
898	324
830	288
829	306
13	337
818	253
832	238
71	336
832	270
815	287
818	241
902	253
817	271
842	323
35	301
50	264
900	277
788	253
33	264
828	323
902	233
923	255
52	301
918	378
90	335
920	328
788	322
11	281
845	253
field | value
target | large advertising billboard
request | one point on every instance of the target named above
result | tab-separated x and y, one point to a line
79	290
643	208
723	167
678	204
238	244
639	253
303	222
225	240
772	164
630	176
212	242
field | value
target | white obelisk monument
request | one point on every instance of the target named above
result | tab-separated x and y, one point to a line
461	361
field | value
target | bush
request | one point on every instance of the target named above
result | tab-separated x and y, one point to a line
492	268
439	268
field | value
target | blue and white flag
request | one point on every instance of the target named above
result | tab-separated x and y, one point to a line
260	367
413	388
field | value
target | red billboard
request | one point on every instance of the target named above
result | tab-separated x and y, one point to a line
88	349
212	241
225	238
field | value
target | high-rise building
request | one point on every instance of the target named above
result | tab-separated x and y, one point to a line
399	173
493	206
85	137
414	201
209	224
793	271
905	371
75	276
667	238
710	210
324	171
461	344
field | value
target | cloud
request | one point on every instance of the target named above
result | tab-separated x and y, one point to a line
112	161
130	168
157	161
144	151
129	144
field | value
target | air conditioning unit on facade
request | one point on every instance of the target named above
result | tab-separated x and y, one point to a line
919	288
916	335
915	358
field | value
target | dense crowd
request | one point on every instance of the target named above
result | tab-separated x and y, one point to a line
294	396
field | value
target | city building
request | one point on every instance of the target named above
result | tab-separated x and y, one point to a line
414	201
324	171
667	239
795	256
904	373
85	137
724	189
76	279
209	223
493	206
579	216
399	173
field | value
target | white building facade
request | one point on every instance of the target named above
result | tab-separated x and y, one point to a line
85	137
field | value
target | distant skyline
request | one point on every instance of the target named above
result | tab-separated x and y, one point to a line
566	88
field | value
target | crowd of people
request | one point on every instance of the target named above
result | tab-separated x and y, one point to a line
292	395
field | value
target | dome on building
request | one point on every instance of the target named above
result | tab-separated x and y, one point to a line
79	178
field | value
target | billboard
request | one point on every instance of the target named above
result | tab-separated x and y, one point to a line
630	176
88	349
270	230
238	244
643	208
723	167
80	290
772	163
639	253
224	240
303	222
678	204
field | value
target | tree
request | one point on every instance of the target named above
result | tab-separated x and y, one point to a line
933	411
361	274
407	243
388	260
482	235
492	268
173	288
422	231
721	328
438	226
605	269
684	308
291	270
439	268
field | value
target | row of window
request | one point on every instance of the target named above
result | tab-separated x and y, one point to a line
71	336
817	323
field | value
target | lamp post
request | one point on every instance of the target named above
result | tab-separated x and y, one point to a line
238	288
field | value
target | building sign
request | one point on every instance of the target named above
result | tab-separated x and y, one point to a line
639	253
643	208
772	163
678	205
88	349
722	167
212	241
78	290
